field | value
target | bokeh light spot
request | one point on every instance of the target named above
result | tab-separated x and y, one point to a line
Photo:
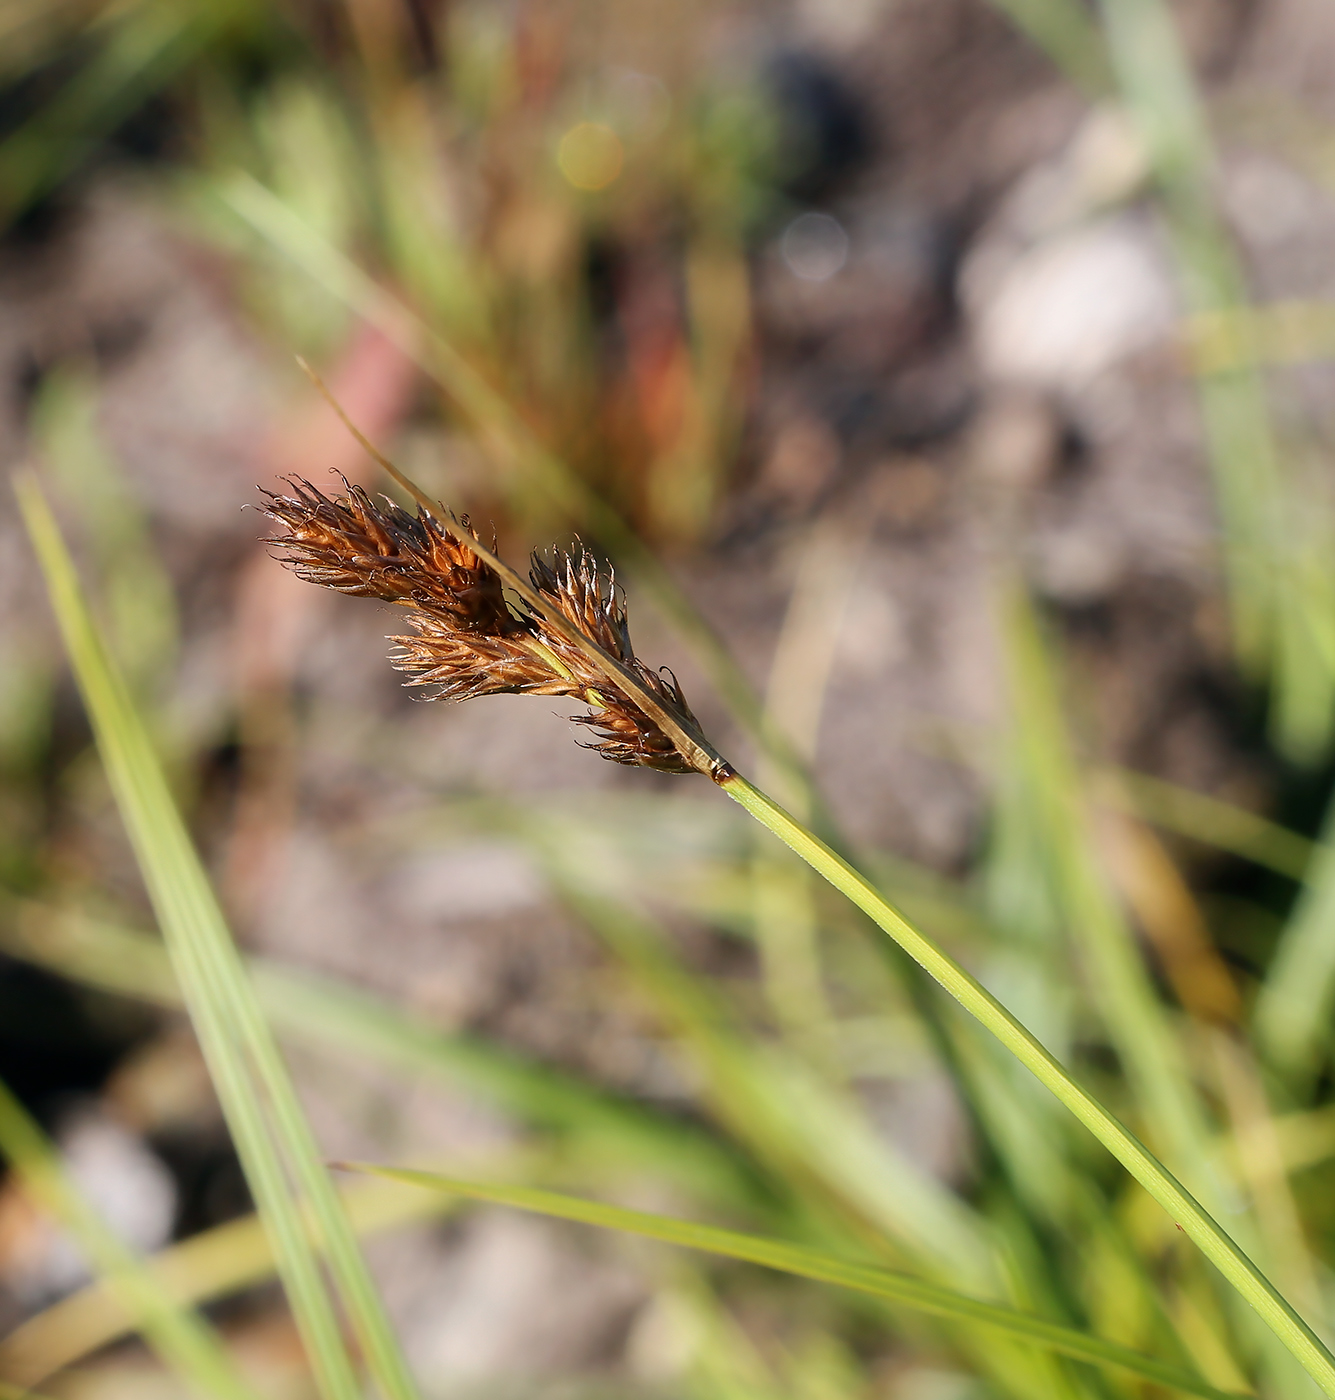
590	156
815	246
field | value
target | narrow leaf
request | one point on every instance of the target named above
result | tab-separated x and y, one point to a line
806	1263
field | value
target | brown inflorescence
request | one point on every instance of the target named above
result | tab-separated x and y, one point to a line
467	638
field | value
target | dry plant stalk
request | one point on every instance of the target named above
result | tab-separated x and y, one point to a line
468	639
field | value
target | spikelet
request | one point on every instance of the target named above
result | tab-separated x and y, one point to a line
466	639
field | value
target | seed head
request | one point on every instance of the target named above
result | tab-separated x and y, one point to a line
467	639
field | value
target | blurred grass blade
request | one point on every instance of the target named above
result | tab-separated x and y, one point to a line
183	1340
330	1015
901	1288
1160	93
1292	1017
233	1035
148	45
1276	529
203	1268
1211	1238
800	1125
1093	921
1064	29
1208	820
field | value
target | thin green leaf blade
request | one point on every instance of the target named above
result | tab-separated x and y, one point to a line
196	936
806	1263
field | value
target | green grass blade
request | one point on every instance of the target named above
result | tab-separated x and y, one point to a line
1208	820
183	1340
1292	1017
1093	921
207	1266
901	1288
800	1125
1160	93
325	1014
1064	29
146	49
1210	1237
221	1004
384	1357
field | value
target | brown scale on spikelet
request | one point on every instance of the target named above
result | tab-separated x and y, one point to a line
593	603
355	546
466	639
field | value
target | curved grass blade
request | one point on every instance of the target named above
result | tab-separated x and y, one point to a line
205	1267
184	1341
258	1098
901	1288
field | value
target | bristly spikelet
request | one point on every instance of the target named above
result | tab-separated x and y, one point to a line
467	640
355	546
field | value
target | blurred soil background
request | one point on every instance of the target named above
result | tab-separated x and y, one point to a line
857	314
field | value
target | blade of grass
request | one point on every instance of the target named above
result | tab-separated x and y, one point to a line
856	1187
183	1340
1161	95
1291	1018
327	1014
1120	983
232	1032
901	1288
1064	29
203	1268
783	911
1276	529
1213	1241
1208	820
800	1124
148	45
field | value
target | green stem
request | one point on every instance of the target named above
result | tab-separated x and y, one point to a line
1189	1215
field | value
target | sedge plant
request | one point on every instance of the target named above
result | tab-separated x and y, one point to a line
566	633
224	1003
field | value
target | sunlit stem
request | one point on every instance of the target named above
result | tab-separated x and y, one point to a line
1188	1214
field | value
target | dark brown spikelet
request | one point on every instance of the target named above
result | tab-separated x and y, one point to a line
466	639
355	546
593	603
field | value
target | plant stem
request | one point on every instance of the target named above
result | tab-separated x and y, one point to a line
1189	1215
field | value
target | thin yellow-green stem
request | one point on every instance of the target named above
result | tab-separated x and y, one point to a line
1189	1215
